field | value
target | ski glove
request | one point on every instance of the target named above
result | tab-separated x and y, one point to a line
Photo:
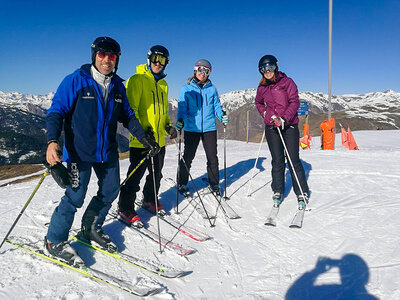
224	118
179	124
171	131
150	144
278	121
59	173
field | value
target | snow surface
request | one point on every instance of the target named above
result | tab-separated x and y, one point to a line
348	247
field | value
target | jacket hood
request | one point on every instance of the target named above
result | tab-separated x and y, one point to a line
144	69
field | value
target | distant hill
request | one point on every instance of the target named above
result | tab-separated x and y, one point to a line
22	126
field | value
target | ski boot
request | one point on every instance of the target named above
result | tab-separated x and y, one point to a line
131	217
65	252
302	201
184	190
152	207
216	190
97	235
277	199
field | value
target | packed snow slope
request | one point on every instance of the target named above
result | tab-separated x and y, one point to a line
348	247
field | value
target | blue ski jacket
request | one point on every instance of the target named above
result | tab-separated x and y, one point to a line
198	107
90	123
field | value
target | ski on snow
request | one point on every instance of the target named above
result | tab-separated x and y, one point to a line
140	288
271	220
188	231
148	265
192	201
297	221
165	243
226	208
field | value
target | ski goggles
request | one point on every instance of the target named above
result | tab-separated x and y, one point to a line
265	68
156	58
111	56
206	71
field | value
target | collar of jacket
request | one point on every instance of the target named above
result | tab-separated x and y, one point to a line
144	69
206	84
85	71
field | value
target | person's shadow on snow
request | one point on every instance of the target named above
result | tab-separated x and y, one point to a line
354	275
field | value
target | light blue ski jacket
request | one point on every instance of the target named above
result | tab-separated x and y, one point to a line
198	107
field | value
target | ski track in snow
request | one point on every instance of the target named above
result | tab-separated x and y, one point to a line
354	213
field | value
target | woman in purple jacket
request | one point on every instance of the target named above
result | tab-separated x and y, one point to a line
277	101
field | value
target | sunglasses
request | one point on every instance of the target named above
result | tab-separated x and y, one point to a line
265	68
204	70
156	58
111	56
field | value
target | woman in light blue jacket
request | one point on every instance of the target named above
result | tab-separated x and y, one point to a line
198	108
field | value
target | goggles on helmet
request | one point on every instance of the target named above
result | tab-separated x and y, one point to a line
265	68
154	58
206	71
111	56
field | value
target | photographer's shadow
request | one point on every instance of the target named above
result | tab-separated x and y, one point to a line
354	275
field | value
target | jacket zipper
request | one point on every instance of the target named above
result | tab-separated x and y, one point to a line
201	102
159	111
104	120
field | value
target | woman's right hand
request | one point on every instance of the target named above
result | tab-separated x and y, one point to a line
53	153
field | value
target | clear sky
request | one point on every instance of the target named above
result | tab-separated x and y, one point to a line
43	41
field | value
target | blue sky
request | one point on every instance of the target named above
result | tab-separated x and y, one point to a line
43	41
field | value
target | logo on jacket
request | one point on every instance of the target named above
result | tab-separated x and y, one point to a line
118	98
88	96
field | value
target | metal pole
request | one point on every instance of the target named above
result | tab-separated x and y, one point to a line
25	206
255	163
291	164
156	201
177	172
225	197
330	62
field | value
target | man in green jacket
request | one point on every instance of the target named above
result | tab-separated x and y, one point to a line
147	93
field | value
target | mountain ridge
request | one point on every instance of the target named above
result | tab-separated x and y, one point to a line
22	130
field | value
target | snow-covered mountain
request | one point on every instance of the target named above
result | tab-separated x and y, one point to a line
36	104
22	126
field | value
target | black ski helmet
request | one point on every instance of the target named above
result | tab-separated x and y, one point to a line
158	50
268	60
106	44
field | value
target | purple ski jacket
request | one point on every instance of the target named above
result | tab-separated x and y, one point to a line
280	99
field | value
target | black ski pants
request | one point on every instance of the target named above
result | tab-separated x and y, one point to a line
192	140
291	137
128	190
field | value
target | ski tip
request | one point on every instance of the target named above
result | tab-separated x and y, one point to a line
294	226
269	224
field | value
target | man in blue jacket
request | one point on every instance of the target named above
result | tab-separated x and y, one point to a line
89	103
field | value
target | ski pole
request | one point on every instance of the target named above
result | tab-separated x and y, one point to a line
255	163
194	185
225	197
134	170
290	161
177	172
25	206
156	201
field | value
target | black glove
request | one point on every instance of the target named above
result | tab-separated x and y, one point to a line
60	174
171	131
150	144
